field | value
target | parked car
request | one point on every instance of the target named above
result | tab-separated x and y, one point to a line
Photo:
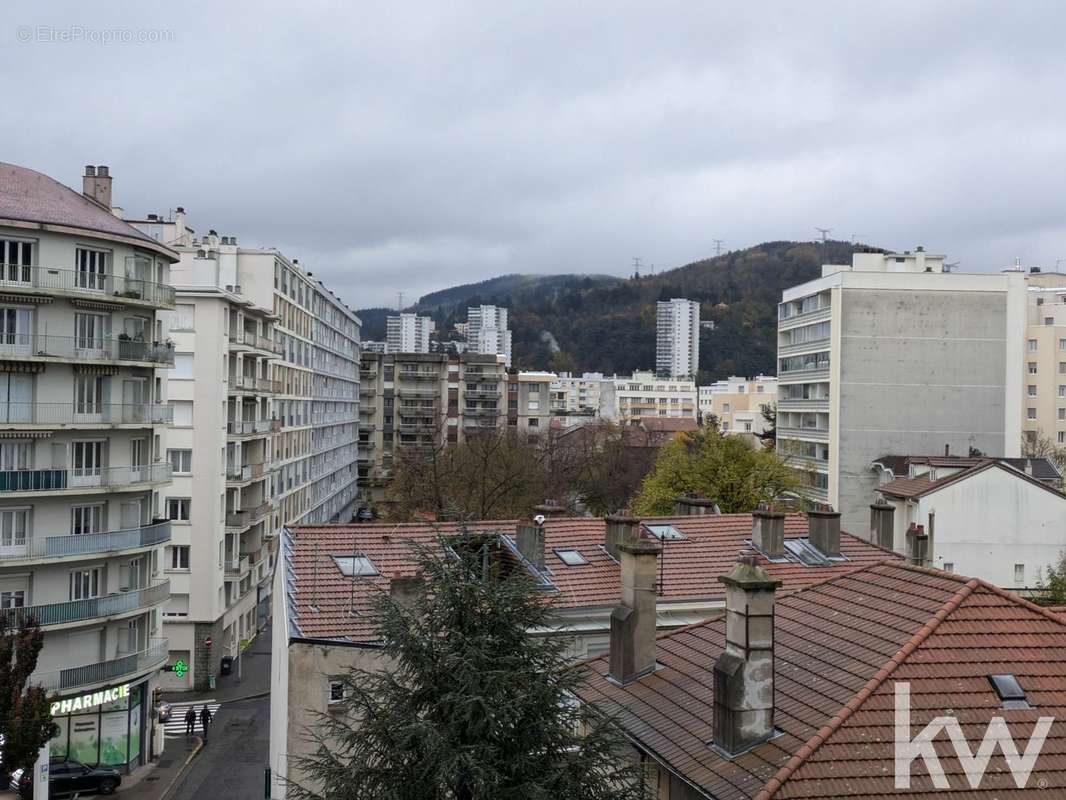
162	709
67	777
365	514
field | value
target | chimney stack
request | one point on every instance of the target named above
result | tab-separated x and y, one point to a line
882	524
619	529
693	505
919	546
744	672
549	508
633	620
768	532
529	538
404	590
96	185
823	531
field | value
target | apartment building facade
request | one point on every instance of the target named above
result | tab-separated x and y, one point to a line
892	354
644	394
487	332
82	415
529	402
738	403
677	342
1044	362
407	333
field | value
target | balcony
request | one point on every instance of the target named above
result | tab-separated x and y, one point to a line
82	479
403	391
236	567
483	392
814	345
77	415
267	385
91	610
248	427
91	349
803	404
810	434
417	375
15	278
806	318
111	671
481	412
247	517
86	545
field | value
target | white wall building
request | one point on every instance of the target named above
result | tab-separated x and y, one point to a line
738	403
893	355
643	394
487	332
574	395
407	333
81	456
677	343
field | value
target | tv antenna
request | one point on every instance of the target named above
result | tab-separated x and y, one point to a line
399	301
824	232
950	266
718	246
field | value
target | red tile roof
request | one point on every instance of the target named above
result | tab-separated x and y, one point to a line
840	646
919	487
690	566
30	196
671	424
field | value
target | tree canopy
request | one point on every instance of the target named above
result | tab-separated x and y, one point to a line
727	469
471	707
25	711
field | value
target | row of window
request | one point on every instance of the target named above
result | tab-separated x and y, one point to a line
1032	344
86	583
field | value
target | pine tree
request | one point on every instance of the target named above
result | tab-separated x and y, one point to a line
473	706
25	710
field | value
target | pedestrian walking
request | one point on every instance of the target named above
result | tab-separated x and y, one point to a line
205	719
190	721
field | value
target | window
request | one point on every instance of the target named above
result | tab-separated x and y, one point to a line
184	317
179	556
1049	320
351	566
1030	413
16	258
91	268
725	408
85	583
664	532
1062	368
336	691
1032	390
949	566
534	422
1062	344
1062	437
1031	344
747	427
16	455
13	525
1062	413
1019	574
571	557
178	508
180	461
1032	368
1062	390
13	599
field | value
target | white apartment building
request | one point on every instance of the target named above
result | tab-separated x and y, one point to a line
407	333
82	412
487	332
643	394
580	396
737	403
265	433
677	342
893	355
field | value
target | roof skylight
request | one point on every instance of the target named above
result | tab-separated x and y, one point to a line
571	557
1009	690
355	566
665	532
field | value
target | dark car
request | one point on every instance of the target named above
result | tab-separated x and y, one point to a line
67	777
365	514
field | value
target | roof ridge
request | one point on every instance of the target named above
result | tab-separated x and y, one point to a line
1024	602
779	778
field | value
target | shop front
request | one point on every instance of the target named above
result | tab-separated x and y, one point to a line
106	726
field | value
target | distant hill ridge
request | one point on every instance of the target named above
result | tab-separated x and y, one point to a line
605	324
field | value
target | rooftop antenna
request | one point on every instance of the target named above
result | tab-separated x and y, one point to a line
950	266
718	246
824	232
854	237
399	301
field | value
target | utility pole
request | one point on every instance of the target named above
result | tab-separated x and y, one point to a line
636	267
856	236
718	246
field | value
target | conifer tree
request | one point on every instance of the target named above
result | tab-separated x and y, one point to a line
25	710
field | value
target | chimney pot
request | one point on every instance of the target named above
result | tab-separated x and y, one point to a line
529	539
619	528
90	171
404	590
823	531
101	171
96	185
633	621
744	672
692	504
882	524
768	532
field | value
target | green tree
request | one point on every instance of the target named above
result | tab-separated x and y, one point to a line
768	437
1051	588
727	469
473	707
25	710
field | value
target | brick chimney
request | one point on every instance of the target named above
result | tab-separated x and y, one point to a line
823	531
744	672
919	546
619	528
693	505
404	590
768	532
882	524
529	538
96	185
633	620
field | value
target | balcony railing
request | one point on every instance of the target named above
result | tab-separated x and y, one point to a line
81	478
87	544
121	666
248	427
418	375
17	278
12	413
235	473
246	517
91	609
84	348
237	566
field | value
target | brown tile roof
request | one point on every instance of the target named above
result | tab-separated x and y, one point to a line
1043	468
30	196
840	647
918	487
690	566
671	424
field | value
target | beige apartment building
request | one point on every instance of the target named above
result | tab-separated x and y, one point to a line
738	403
643	394
265	433
83	409
1044	358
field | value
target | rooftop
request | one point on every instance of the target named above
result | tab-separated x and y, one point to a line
840	647
912	488
1043	469
690	565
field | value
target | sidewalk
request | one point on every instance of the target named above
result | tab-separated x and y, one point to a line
255	677
154	781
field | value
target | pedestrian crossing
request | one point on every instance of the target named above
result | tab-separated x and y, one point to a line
175	726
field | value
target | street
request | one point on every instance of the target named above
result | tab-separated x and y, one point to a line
233	760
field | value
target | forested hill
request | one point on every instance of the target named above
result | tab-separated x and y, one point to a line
592	323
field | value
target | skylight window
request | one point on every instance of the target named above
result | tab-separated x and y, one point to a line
665	533
355	566
571	557
1010	691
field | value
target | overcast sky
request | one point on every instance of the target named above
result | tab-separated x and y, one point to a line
413	146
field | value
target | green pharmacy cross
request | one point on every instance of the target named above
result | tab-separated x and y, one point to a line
180	668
